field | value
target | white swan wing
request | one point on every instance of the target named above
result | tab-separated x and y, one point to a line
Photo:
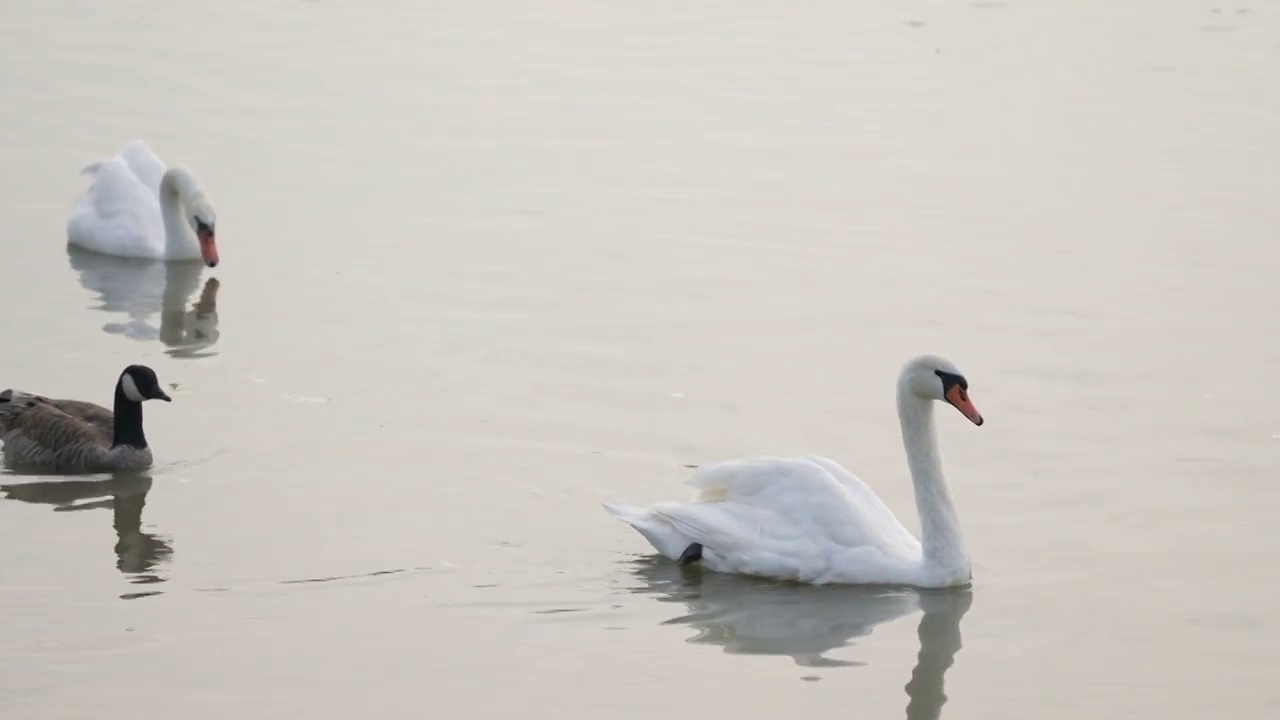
808	486
117	214
145	164
790	518
863	496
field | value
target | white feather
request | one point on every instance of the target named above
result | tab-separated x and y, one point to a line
130	388
126	212
808	519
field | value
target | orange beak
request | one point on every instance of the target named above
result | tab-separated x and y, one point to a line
959	397
208	247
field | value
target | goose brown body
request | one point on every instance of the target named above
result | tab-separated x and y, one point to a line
63	435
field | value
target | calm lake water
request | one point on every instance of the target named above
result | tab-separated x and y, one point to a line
486	265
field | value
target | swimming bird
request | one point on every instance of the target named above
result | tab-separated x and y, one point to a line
807	519
76	436
136	206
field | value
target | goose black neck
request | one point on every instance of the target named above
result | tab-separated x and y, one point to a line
128	422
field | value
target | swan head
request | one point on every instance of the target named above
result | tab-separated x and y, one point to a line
202	219
139	383
184	191
936	378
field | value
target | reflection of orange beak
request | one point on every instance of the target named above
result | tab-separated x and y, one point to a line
208	247
959	397
208	301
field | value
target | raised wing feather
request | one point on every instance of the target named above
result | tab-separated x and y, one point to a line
788	499
119	212
862	493
145	164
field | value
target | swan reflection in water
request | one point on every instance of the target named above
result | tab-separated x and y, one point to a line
760	617
138	554
139	288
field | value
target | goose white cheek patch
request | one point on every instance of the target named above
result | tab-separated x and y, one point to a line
130	388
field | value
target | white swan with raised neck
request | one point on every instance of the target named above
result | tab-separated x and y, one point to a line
807	519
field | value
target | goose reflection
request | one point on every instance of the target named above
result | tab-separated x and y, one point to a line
139	288
758	617
138	554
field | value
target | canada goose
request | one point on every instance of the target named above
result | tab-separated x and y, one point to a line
77	436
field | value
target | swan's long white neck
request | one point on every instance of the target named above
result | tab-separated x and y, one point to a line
944	548
177	188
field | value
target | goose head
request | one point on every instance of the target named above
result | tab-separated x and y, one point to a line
936	378
139	383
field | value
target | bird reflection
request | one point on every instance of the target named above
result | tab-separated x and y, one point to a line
758	617
138	554
939	633
139	288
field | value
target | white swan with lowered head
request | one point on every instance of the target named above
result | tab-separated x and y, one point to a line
136	207
810	520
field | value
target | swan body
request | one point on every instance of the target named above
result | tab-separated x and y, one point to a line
808	519
137	207
70	436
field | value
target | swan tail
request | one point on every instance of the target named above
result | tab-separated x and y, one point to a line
703	522
664	538
626	513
